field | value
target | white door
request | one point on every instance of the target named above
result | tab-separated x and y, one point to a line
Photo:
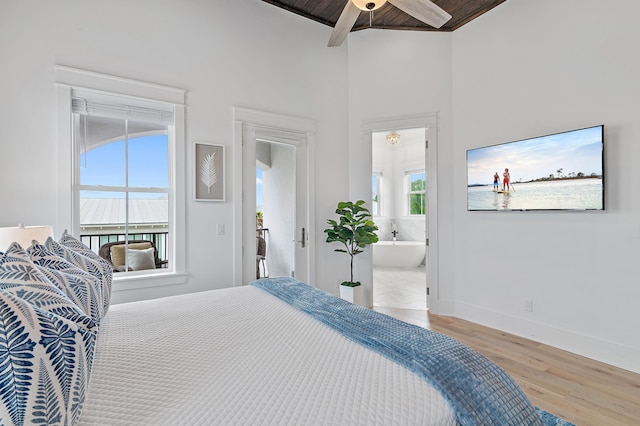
428	176
283	154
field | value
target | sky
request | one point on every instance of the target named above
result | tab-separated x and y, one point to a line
148	165
258	189
575	151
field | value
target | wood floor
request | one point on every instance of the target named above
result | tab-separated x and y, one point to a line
578	389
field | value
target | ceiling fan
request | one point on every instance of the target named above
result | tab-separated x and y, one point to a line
423	10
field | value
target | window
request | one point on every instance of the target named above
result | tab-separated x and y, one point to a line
122	181
376	193
417	185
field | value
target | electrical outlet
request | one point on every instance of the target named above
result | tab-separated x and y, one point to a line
528	305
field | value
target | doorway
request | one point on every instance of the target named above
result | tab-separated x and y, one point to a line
275	209
289	239
426	126
400	193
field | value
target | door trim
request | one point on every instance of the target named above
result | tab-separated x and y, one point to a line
430	123
268	125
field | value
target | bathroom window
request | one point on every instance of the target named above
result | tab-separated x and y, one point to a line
417	185
376	194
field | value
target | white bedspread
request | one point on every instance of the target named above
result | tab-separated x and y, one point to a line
241	356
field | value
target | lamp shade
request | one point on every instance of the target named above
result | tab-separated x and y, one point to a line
24	235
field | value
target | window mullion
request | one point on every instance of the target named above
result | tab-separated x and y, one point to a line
104	188
126	194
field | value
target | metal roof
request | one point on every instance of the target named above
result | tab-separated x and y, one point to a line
111	211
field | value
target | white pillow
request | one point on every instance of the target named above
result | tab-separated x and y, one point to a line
138	259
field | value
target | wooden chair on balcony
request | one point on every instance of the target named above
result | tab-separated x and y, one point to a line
117	257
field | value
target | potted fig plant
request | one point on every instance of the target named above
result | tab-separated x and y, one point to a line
355	230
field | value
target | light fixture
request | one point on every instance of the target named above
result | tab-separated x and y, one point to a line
368	5
393	138
24	235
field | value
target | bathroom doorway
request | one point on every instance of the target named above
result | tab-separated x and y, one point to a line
400	194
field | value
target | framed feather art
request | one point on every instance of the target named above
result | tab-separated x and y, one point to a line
208	172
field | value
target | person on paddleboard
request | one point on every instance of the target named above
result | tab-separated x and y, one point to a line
506	178
496	181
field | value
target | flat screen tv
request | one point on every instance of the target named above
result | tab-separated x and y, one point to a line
563	171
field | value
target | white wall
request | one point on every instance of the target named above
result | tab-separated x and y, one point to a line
224	53
533	68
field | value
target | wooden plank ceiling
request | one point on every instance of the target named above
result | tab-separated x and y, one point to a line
388	16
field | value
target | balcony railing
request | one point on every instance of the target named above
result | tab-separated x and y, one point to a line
159	239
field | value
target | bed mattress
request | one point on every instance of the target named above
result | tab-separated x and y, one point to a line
242	356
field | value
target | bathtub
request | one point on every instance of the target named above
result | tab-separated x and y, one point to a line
399	254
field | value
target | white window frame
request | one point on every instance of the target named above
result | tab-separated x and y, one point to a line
409	192
380	177
68	79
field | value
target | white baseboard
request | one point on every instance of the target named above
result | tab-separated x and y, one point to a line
443	307
611	353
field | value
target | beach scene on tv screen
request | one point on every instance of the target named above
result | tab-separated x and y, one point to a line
555	172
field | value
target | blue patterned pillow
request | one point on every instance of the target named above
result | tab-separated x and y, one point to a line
85	259
19	276
81	287
46	346
45	363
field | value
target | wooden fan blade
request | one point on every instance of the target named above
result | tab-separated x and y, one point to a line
423	10
345	22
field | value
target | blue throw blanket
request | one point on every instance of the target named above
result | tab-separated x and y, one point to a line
479	391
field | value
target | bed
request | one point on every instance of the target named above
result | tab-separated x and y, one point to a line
271	353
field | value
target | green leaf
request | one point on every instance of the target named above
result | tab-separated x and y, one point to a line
354	228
